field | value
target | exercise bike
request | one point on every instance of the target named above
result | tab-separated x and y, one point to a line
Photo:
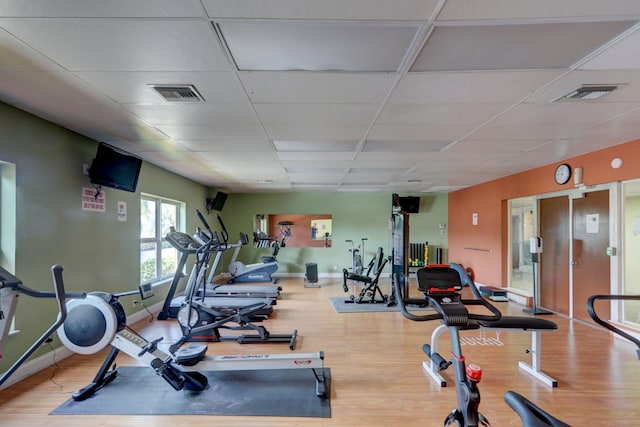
441	286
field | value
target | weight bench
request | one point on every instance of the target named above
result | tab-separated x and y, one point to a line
531	324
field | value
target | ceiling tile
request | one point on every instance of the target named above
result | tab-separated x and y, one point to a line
454	10
319	157
316	168
497	145
101	9
500	87
213	132
624	55
18	56
438	132
315	132
514	47
194	114
316	113
315	178
309	87
327	9
245	144
439	114
123	45
313	46
389	160
404	146
304	147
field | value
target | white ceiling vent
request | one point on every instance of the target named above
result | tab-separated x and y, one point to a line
178	93
588	92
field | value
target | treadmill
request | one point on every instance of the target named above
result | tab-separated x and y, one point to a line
211	238
214	295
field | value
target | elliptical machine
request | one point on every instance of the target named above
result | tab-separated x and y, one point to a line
260	271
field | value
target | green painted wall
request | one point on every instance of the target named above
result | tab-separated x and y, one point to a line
355	215
99	252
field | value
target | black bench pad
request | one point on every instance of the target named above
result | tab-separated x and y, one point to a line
520	322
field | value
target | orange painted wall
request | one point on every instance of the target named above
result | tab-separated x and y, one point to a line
484	247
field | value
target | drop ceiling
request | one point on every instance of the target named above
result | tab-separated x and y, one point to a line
340	95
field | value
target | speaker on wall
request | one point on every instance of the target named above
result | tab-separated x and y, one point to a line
216	203
410	204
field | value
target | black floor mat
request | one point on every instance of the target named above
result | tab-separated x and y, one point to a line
139	391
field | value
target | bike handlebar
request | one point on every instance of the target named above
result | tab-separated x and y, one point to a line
531	414
441	313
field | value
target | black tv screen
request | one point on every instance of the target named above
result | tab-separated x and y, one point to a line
115	168
218	201
410	204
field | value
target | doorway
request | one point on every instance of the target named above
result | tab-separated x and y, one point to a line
590	264
574	264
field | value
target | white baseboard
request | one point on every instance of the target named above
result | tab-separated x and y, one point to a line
302	275
36	365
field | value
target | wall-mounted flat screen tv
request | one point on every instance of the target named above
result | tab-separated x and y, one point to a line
410	204
115	168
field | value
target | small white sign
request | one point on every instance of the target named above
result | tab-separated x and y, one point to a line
122	211
592	221
93	200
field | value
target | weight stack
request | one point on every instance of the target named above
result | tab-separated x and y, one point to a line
311	275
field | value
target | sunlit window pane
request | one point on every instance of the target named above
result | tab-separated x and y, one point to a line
147	219
148	261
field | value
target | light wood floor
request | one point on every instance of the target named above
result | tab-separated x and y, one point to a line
376	368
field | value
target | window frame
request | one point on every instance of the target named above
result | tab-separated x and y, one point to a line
159	237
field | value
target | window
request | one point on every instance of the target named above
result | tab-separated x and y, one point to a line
8	217
158	259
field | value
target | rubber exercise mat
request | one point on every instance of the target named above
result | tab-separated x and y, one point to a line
139	391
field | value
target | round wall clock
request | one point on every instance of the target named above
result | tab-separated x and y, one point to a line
563	174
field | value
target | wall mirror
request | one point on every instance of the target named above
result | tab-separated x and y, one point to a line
293	230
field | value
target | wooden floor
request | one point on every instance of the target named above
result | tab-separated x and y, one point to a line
376	368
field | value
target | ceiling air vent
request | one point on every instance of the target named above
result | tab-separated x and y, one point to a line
588	92
178	93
